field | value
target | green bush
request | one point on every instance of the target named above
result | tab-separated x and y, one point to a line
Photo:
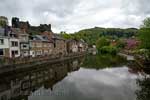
102	42
120	44
108	50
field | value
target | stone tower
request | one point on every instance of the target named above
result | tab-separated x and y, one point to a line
15	22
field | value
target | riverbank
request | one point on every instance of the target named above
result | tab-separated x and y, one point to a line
23	63
141	63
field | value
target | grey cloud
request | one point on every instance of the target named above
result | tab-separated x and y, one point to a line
73	15
136	7
61	8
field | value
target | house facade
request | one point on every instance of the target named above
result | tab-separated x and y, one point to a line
60	47
72	46
59	44
23	40
24	45
4	46
82	46
40	46
9	45
14	47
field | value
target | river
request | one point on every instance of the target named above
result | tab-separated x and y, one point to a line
99	77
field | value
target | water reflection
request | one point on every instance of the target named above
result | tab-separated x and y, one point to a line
103	61
87	84
18	85
116	82
98	77
144	92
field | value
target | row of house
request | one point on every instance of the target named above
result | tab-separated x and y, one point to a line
16	42
21	44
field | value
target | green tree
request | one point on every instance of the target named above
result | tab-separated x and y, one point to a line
65	35
108	50
146	23
120	44
144	36
145	41
101	42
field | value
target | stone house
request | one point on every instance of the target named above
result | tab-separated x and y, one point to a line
60	47
82	46
72	46
40	46
48	34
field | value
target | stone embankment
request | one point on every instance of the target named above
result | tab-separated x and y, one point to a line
21	63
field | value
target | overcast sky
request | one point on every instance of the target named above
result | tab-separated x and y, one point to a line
73	15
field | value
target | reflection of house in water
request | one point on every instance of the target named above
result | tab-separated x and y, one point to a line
23	83
74	65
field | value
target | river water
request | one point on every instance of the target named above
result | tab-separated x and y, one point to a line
89	78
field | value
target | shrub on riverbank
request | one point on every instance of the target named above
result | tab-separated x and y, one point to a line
108	50
101	42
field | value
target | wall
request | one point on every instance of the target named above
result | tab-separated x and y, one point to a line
6	43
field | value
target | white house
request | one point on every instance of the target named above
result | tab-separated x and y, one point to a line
14	47
9	46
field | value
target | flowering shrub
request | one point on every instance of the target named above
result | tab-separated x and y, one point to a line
131	43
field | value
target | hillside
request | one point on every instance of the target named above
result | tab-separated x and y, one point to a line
92	34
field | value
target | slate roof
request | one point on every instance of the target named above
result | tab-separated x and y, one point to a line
41	38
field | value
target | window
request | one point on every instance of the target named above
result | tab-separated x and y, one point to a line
1	52
54	44
24	46
1	41
14	44
14	52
